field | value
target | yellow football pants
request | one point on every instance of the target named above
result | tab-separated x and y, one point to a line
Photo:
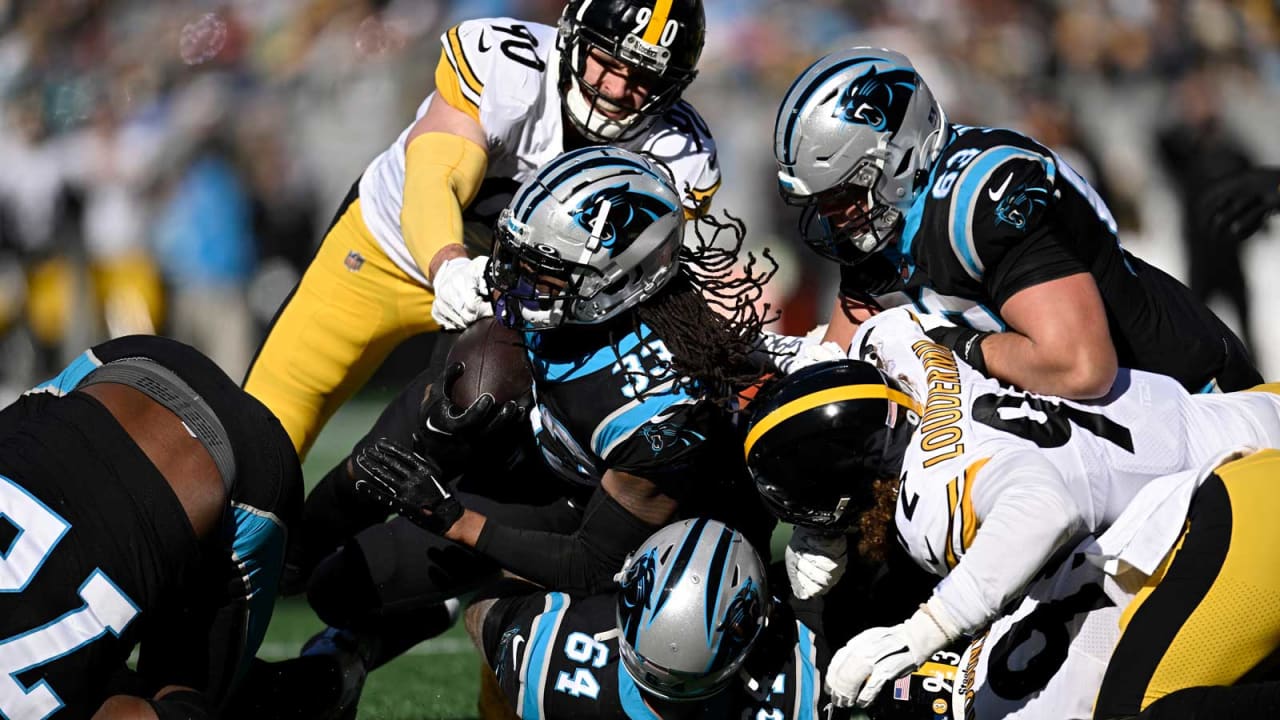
352	307
1211	613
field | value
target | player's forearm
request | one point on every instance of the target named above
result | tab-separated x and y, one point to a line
442	174
846	315
444	255
1020	505
1062	369
583	562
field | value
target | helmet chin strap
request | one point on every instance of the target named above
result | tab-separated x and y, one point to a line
596	124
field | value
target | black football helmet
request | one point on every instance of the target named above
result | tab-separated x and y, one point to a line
819	437
660	38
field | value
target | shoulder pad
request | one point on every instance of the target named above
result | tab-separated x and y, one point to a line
993	183
475	53
682	140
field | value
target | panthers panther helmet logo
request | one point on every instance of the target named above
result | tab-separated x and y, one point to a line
878	100
636	588
628	213
741	621
1018	205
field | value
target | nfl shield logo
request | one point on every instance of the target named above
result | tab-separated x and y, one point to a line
354	261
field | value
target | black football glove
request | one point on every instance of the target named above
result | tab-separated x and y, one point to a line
452	434
1236	207
441	416
408	484
965	342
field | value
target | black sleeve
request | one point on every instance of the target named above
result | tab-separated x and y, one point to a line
22	409
1037	259
197	640
182	705
870	278
579	564
515	600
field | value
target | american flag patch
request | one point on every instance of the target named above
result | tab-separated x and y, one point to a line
902	688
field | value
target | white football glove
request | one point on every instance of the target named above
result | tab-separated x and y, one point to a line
815	562
876	656
811	354
461	293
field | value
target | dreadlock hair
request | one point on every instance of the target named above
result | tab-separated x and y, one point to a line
875	524
707	314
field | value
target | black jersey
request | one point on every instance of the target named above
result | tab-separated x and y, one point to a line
199	609
557	657
1001	213
79	574
607	398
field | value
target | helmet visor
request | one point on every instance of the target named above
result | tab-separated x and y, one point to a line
534	289
849	222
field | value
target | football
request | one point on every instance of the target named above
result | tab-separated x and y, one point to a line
494	362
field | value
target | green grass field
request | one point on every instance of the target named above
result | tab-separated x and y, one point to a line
437	680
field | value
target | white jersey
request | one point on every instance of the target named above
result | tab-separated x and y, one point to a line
1148	426
1085	460
507	78
1045	659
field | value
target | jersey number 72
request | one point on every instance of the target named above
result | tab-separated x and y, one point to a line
106	608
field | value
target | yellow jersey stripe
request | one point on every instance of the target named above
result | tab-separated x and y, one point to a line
953	499
449	88
968	520
657	21
936	670
701	201
464	67
1273	388
825	397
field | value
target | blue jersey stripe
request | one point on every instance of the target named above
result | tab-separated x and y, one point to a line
807	685
968	188
258	549
539	655
581	367
624	422
629	695
71	375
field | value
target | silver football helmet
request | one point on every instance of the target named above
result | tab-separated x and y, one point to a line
595	232
854	140
692	604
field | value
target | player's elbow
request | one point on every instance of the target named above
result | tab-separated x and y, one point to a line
1088	381
1090	375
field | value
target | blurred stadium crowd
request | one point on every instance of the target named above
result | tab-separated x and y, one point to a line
170	167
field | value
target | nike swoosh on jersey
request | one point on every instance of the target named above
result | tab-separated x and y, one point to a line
665	414
515	651
480	44
995	195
